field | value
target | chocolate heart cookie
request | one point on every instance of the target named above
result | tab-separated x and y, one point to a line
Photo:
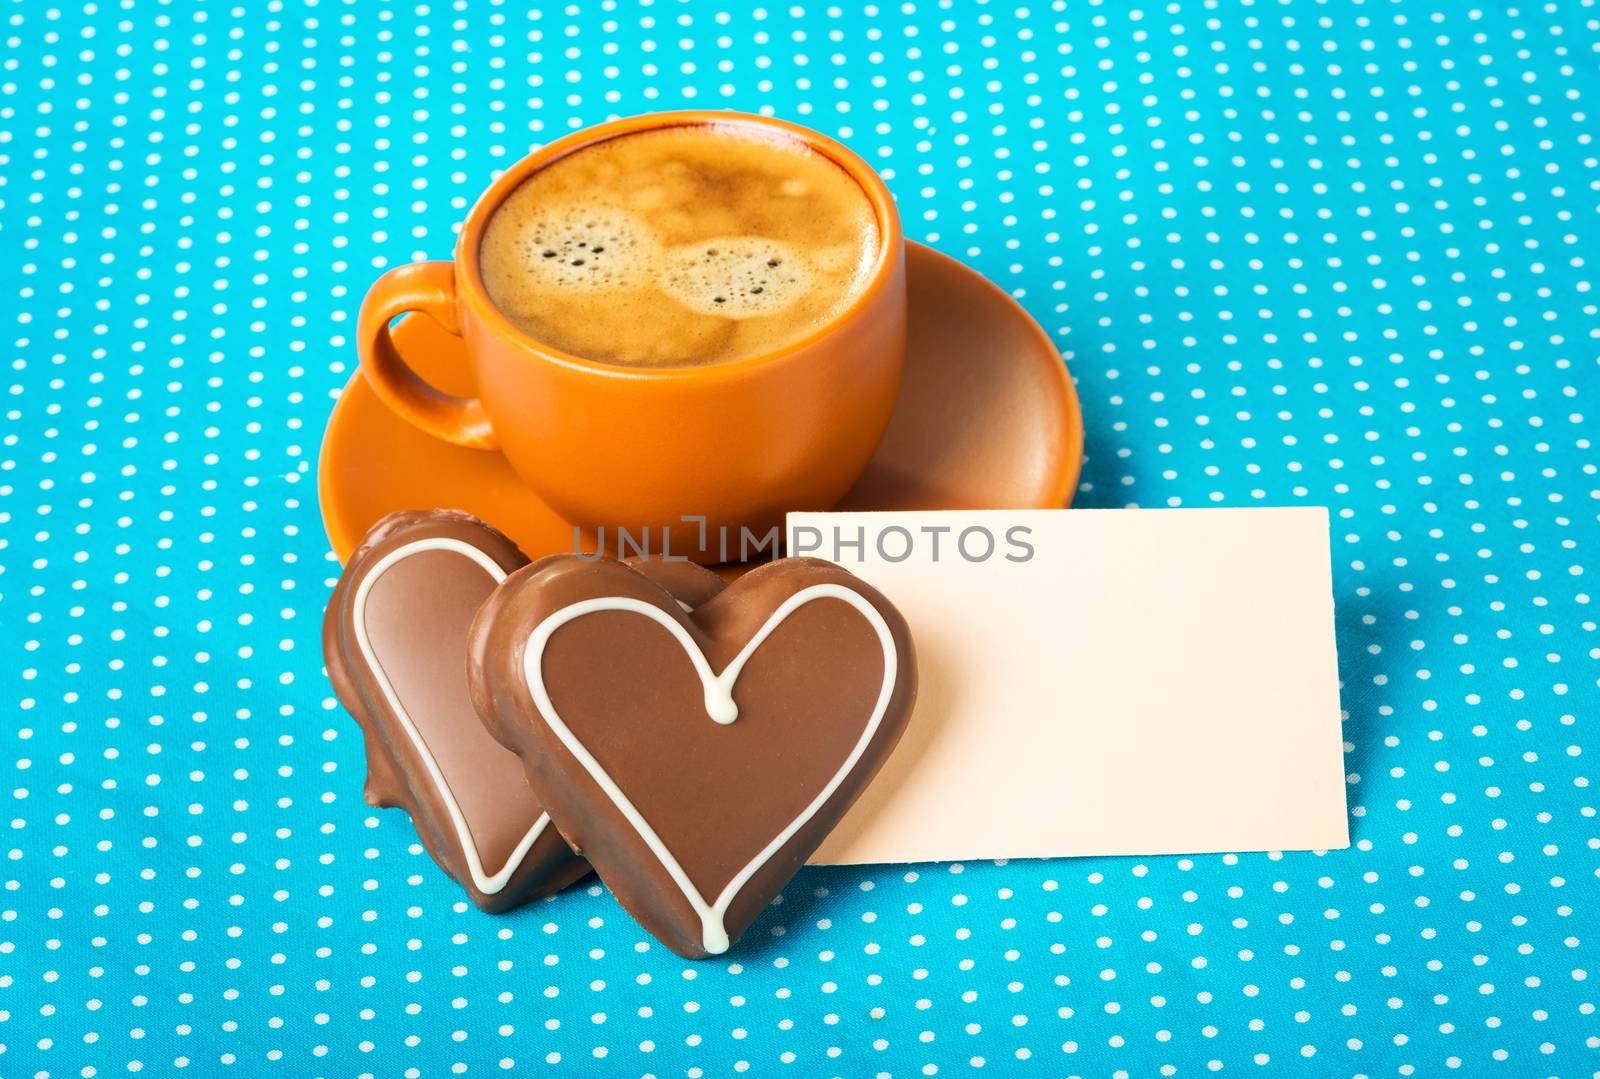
395	642
696	758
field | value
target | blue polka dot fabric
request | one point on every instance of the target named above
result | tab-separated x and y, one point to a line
1321	252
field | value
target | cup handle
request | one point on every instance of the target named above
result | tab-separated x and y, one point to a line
430	289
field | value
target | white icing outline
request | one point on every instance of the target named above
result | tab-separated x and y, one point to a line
721	708
488	885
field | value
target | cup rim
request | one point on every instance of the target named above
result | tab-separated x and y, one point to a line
880	276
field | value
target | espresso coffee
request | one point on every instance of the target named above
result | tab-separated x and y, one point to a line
681	246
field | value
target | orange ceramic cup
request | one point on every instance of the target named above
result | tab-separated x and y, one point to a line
737	443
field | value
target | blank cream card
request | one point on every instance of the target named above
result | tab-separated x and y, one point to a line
1101	682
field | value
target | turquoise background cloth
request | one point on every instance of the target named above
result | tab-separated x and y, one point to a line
1330	253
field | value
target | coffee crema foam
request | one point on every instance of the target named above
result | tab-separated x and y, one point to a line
680	246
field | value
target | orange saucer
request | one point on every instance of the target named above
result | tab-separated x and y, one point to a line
987	419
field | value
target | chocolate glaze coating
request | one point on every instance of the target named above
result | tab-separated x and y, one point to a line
424	589
714	795
690	583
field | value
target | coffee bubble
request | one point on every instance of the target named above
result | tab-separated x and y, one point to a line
584	247
735	276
